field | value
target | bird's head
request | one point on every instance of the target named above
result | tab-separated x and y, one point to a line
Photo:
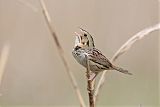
84	39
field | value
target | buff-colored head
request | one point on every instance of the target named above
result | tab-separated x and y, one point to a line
84	39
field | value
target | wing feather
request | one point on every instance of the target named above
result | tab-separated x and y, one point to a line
97	57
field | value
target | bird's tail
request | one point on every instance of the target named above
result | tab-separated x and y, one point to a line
121	70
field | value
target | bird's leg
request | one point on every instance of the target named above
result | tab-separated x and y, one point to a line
93	76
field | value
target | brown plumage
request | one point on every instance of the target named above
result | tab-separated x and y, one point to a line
84	45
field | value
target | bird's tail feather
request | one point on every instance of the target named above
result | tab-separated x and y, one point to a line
121	70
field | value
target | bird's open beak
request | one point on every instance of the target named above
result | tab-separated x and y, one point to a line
78	36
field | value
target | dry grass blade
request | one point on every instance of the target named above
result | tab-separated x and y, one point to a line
61	53
90	85
3	60
133	40
124	48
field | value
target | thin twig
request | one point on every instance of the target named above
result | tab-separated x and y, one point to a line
125	47
90	85
61	53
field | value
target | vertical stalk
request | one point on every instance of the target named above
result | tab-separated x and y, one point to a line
90	85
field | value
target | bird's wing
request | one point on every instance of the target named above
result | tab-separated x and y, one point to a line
97	57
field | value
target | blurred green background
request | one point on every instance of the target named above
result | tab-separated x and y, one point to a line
34	73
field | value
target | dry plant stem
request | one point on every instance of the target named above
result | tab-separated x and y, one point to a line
90	85
61	53
125	47
3	60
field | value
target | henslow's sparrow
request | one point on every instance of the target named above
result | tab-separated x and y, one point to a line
84	46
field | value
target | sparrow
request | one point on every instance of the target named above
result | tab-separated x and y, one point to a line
84	46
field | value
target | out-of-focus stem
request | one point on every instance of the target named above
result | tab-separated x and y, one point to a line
61	53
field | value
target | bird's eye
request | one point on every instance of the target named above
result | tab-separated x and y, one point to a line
85	35
83	43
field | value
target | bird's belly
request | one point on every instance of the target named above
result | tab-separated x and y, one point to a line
81	59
